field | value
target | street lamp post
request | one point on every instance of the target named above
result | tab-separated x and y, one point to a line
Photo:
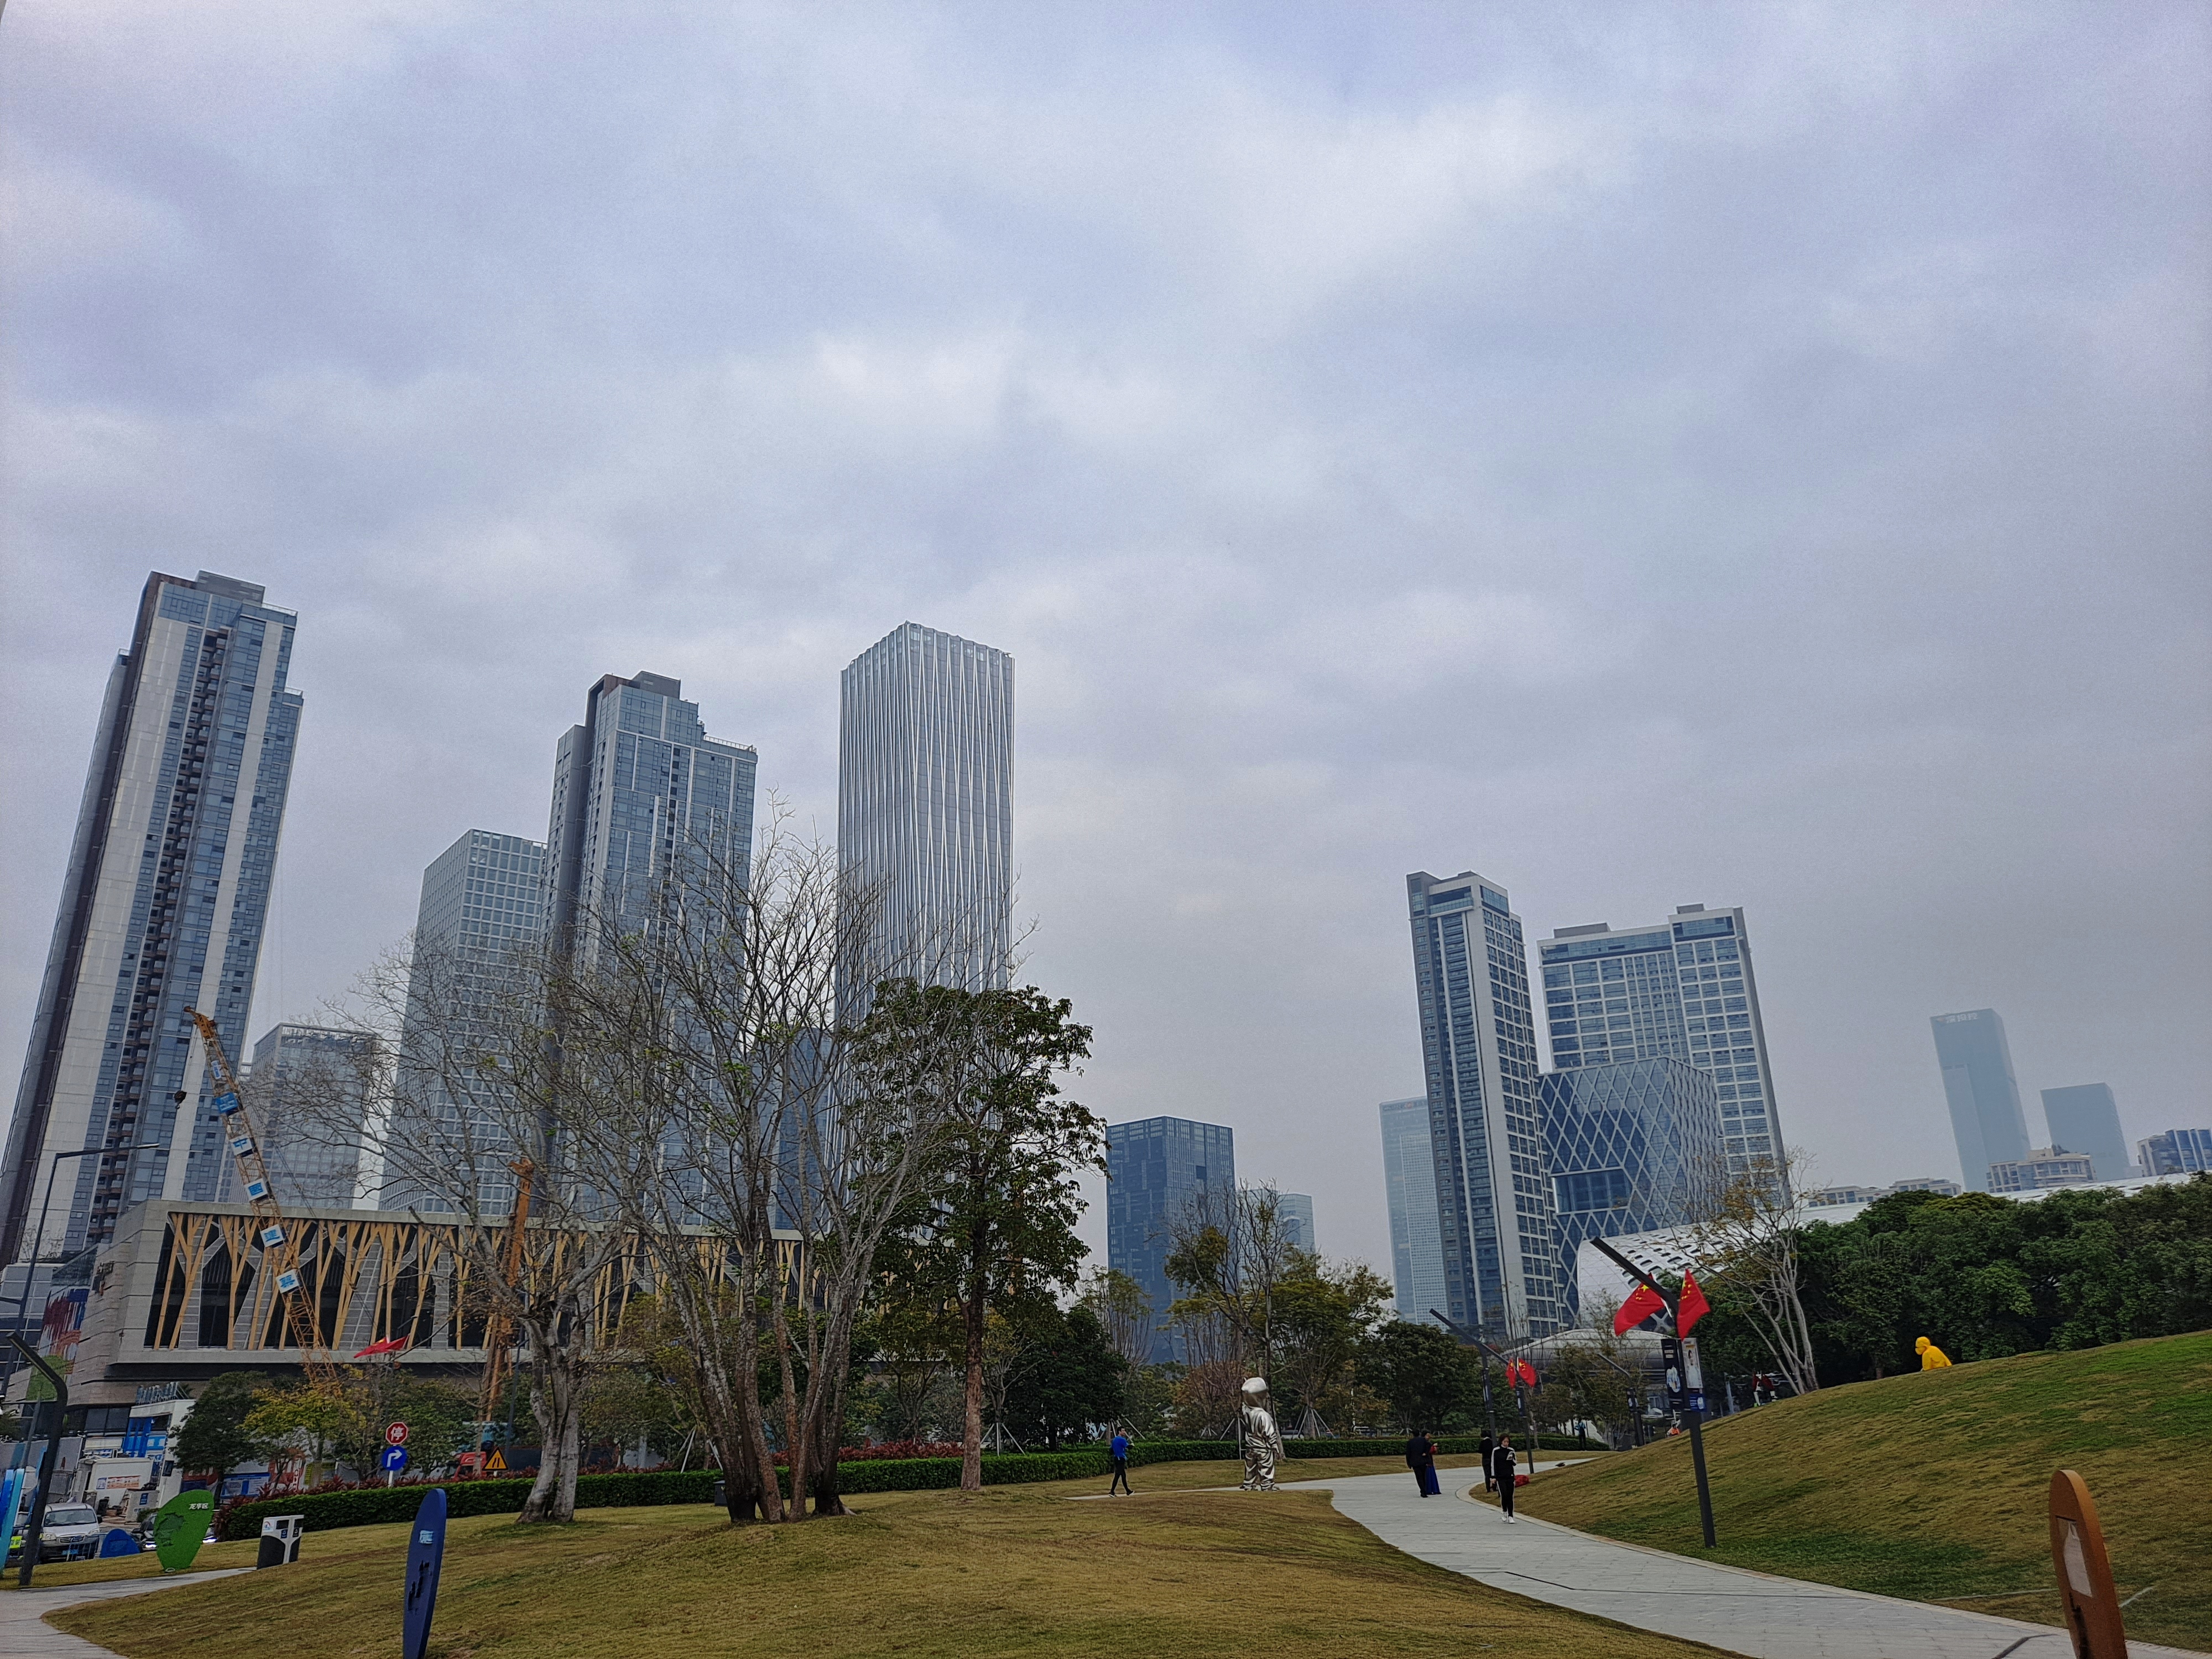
1694	1401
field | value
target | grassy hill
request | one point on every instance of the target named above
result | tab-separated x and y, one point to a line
1933	1486
1016	1571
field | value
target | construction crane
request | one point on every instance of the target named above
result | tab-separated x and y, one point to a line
498	1328
280	1250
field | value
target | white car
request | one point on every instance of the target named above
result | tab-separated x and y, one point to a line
71	1532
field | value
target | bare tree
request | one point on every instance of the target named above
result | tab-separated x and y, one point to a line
1124	1313
1746	1240
1229	1256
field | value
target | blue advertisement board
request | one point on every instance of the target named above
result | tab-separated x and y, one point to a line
426	1554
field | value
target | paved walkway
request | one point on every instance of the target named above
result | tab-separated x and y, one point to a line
1745	1612
24	1633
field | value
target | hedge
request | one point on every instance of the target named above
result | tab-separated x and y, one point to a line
327	1511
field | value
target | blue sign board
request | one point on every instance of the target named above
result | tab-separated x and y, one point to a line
426	1554
394	1459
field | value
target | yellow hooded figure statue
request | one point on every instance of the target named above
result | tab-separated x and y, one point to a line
1932	1358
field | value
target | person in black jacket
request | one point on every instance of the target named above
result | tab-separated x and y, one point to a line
1489	1445
1501	1467
1421	1458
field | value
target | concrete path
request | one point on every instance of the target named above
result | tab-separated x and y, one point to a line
1744	1613
24	1633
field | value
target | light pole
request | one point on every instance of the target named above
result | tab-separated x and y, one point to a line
1694	1401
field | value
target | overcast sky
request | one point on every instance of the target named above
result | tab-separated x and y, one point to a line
1743	454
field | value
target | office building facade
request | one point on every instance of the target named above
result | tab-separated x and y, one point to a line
1680	989
162	910
1161	1173
2085	1118
1633	1146
645	805
2178	1151
924	803
1982	1092
1409	1186
1294	1212
310	1088
2044	1167
1478	1042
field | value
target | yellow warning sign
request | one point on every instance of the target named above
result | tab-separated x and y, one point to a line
497	1463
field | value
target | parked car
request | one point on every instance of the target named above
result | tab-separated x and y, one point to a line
72	1531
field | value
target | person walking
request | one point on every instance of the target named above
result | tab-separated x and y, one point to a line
1421	1458
1501	1467
1118	1450
1489	1445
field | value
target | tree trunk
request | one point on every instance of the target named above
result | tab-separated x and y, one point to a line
556	1401
971	1427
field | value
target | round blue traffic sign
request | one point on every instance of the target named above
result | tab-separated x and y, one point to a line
395	1458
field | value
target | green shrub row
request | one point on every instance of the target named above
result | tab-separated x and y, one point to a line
327	1511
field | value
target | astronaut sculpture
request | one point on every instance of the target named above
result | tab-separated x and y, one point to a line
1263	1443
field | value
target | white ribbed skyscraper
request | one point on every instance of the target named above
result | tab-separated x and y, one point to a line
925	802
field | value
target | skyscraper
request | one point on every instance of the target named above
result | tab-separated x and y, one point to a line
2085	1118
483	906
1479	1038
1986	1120
1161	1172
1295	1211
1633	1146
1679	989
1409	1183
925	802
312	1163
643	801
162	908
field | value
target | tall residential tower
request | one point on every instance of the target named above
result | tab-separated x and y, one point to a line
1479	1038
926	805
162	908
1982	1091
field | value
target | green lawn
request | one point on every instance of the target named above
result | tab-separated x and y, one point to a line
1015	1571
1933	1486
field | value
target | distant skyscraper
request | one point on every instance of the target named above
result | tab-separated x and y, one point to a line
161	910
2085	1118
1409	1180
643	801
1159	1170
925	802
1680	989
2178	1151
1633	1146
1296	1211
1479	1038
1985	1099
312	1163
483	902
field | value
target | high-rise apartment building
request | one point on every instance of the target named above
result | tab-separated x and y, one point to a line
483	911
2085	1118
1162	1172
2178	1151
1409	1183
1295	1211
1633	1146
162	910
311	1086
1983	1094
926	806
1679	989
644	802
1479	1040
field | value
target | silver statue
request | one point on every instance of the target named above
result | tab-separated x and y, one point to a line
1263	1443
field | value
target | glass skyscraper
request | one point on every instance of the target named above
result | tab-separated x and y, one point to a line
643	801
1633	1145
162	908
1680	989
1984	1094
926	806
1159	1171
1294	1211
1409	1181
2085	1118
312	1163
1479	1038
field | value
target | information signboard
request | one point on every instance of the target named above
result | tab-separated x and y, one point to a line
426	1554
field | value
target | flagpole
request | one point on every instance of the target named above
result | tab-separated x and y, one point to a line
1673	1304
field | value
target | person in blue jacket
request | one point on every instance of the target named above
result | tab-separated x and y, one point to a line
1421	1458
1119	1450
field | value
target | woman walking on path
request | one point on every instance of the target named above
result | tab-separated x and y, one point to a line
1118	1448
1421	1458
1489	1445
1501	1466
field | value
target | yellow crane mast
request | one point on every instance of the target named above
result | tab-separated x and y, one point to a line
498	1328
280	1250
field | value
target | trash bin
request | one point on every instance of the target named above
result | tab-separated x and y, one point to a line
721	1498
280	1540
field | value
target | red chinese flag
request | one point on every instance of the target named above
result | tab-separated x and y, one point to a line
1643	1302
1692	1304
